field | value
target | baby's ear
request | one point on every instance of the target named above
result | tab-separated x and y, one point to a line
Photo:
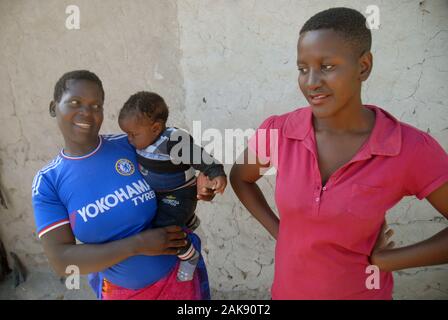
52	109
157	127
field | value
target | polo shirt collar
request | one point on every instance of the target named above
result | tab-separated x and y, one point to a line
385	139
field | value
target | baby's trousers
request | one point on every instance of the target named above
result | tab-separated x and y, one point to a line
176	208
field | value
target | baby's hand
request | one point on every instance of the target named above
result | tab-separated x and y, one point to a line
219	184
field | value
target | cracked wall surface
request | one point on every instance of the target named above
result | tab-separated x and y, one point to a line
131	45
229	64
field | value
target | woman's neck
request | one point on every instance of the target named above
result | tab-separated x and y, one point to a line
80	149
353	118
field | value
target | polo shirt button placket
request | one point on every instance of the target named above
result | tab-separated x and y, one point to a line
317	205
317	199
320	194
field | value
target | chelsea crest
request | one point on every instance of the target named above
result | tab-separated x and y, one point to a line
124	167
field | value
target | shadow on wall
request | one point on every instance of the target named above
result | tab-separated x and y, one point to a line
18	269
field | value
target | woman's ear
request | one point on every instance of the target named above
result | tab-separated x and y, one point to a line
366	64
52	109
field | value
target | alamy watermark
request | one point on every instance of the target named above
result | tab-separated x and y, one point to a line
73	20
226	146
72	282
373	17
373	280
73	279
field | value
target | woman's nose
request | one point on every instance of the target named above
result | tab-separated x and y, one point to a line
314	80
86	109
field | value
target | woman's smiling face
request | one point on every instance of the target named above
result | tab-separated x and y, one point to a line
330	71
79	113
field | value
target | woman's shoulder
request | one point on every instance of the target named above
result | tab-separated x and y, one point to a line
297	116
417	139
53	164
117	145
117	140
414	134
47	172
412	138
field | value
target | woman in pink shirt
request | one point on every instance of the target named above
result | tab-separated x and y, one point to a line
340	166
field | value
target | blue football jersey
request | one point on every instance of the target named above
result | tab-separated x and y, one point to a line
103	197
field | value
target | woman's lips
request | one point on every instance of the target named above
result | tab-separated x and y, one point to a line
317	99
84	126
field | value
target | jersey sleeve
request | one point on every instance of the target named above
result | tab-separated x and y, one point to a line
49	212
264	141
429	167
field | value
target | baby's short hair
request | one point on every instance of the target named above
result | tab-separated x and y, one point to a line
61	84
349	23
145	103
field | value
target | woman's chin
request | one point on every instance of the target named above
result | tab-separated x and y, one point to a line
325	110
322	111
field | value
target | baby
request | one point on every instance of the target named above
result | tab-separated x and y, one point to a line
168	158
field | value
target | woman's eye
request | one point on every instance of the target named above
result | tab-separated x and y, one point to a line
303	70
74	102
327	67
96	107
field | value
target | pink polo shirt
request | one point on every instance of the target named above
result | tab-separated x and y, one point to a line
327	232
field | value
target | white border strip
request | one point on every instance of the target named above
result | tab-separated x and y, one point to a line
85	156
53	227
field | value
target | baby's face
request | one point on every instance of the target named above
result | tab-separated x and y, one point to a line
141	131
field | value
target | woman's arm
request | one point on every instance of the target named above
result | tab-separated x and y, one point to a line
61	248
429	252
243	178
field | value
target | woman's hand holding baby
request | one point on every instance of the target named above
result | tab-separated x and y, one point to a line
158	241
